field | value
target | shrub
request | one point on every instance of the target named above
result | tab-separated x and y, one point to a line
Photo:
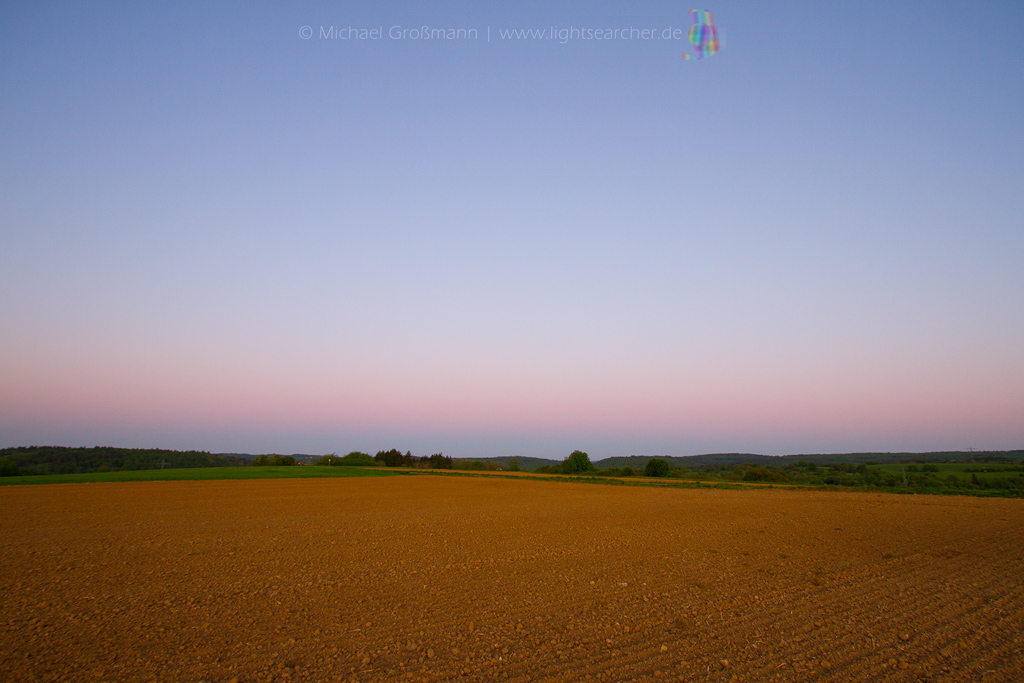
626	471
656	467
929	468
328	460
274	460
356	459
578	461
763	474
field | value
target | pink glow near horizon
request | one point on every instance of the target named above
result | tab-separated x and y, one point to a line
773	405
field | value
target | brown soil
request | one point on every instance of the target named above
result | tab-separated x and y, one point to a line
455	578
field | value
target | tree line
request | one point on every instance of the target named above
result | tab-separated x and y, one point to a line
389	458
72	460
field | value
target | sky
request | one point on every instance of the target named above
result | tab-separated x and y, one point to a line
224	228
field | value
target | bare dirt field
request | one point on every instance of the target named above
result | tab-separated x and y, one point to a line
457	578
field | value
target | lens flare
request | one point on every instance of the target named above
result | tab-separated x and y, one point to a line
703	34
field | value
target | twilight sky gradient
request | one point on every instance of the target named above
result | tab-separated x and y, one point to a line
215	234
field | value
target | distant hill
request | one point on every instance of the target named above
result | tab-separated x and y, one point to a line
63	460
637	462
694	461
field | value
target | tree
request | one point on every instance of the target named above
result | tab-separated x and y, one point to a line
513	465
392	458
656	467
260	461
440	461
578	461
8	468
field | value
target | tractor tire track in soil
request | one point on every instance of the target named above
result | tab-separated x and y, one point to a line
431	578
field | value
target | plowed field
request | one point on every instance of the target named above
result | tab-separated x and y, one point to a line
456	578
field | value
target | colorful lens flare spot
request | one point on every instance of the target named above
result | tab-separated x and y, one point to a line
703	34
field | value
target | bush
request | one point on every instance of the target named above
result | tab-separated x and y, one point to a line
929	468
626	471
578	461
356	459
274	460
656	467
763	474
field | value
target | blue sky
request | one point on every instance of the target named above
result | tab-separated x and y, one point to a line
216	234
